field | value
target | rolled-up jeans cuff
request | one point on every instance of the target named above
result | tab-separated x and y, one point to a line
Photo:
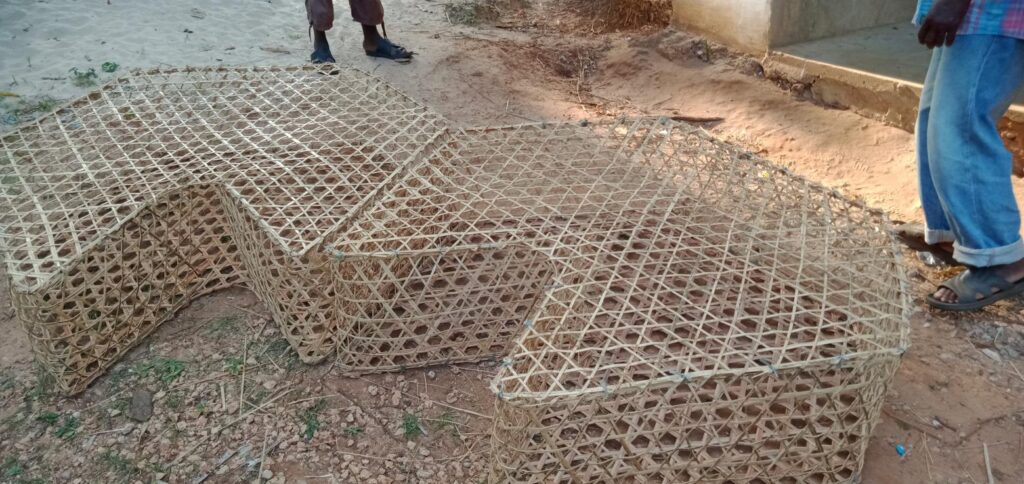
997	256
938	236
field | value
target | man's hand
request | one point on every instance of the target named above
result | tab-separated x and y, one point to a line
942	22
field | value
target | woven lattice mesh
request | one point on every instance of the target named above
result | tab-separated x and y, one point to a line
667	307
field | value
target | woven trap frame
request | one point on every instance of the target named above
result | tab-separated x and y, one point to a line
667	307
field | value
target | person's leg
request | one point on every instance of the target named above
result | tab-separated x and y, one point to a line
321	18
937	228
370	37
975	81
321	49
370	14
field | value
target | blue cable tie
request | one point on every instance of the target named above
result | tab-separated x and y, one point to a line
839	360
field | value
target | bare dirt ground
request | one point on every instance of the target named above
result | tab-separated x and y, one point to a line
231	403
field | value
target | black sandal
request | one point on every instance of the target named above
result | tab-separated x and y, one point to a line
386	50
974	282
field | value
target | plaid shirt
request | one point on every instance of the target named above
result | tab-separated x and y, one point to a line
989	17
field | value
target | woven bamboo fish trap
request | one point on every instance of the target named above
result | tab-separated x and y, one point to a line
666	307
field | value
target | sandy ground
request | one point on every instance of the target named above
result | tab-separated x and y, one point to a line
959	390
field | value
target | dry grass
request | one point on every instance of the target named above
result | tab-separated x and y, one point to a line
478	12
626	14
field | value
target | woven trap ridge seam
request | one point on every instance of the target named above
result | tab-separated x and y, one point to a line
666	307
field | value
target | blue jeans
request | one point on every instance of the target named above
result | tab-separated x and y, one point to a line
964	167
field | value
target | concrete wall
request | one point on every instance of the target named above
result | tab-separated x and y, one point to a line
742	24
757	25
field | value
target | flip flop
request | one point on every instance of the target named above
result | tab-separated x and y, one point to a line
968	285
386	50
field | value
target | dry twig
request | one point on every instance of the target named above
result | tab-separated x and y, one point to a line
988	466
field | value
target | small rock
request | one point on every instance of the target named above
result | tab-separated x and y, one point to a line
267	474
372	390
930	260
424	452
269	384
431	374
991	353
140	409
411	445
